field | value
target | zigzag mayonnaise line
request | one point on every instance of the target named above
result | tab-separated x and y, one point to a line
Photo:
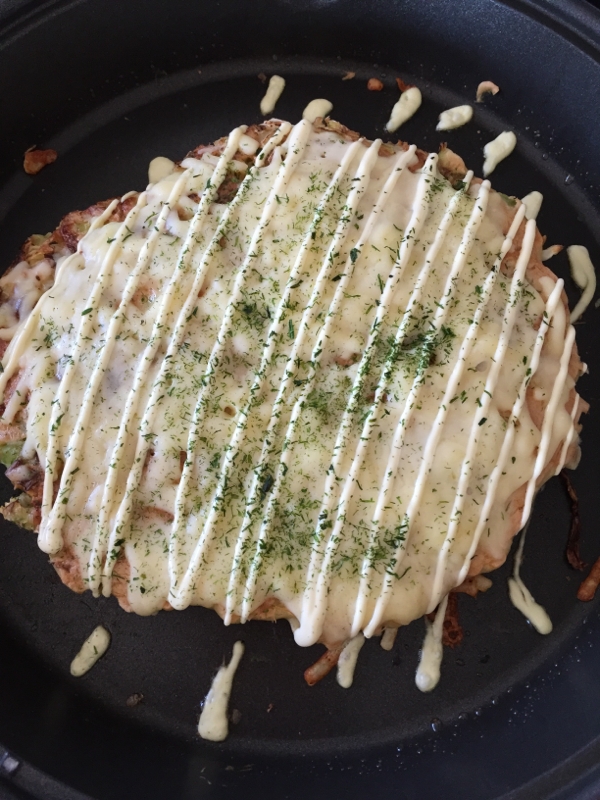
358	188
181	597
432	441
397	169
490	386
313	601
149	414
287	378
547	429
17	344
98	554
496	474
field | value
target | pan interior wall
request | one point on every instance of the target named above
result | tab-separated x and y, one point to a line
159	83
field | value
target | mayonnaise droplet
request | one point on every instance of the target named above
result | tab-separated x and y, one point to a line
523	600
92	649
213	724
159	168
407	105
272	95
521	597
428	671
532	203
454	118
347	661
317	108
584	275
497	150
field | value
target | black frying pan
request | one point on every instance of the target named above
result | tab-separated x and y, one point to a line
112	84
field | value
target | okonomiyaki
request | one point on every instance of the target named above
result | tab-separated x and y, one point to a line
302	375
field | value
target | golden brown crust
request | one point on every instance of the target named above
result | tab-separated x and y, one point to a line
473	585
75	225
68	569
386	149
451	165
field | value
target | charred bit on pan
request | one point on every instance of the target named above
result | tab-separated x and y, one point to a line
35	160
572	549
134	699
403	86
587	590
452	632
486	87
553	250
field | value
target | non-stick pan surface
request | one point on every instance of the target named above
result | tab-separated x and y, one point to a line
516	715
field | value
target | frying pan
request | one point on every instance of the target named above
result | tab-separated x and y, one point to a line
110	85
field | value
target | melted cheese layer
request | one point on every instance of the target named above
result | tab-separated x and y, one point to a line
314	393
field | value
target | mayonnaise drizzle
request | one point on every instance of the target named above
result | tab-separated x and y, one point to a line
272	95
125	429
92	649
317	108
314	599
408	104
19	343
497	150
213	724
180	595
433	440
454	118
569	438
393	278
358	188
509	436
521	597
368	282
347	661
547	426
584	275
307	320
508	323
52	513
430	661
183	318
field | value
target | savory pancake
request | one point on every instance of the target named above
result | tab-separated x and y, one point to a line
302	375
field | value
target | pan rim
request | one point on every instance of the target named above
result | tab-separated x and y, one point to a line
579	29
